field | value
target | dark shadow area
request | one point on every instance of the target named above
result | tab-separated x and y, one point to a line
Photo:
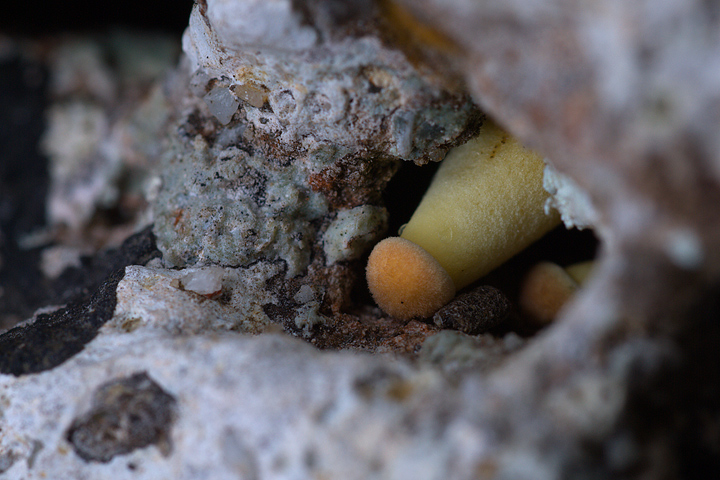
40	17
23	185
90	295
23	169
404	192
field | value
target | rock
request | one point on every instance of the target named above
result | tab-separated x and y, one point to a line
352	232
474	312
330	83
621	101
126	414
325	109
158	298
49	339
224	423
457	352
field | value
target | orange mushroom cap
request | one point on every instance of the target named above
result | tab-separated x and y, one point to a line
545	290
406	281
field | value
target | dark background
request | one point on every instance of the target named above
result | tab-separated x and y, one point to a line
43	17
23	99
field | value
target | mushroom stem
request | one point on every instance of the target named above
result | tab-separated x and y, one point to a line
485	204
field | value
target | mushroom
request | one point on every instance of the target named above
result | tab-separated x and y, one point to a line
547	287
485	204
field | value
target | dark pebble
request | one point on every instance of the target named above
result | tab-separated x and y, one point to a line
474	312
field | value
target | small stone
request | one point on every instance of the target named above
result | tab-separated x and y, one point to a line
474	312
127	414
203	281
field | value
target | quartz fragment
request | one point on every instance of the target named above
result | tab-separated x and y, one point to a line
222	103
204	281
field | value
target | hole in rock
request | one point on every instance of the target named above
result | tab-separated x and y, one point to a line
561	248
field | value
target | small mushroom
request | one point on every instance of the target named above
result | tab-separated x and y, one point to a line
547	287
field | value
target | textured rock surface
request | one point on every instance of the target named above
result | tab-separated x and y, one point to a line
260	407
50	338
126	414
318	78
620	96
297	112
221	205
160	299
270	406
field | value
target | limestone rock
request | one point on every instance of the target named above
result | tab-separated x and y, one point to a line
620	96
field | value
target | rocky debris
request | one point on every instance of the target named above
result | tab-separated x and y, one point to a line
220	205
83	280
51	339
455	352
159	298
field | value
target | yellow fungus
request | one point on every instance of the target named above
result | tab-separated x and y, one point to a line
485	204
580	271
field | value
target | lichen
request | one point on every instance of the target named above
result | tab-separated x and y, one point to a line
353	231
221	205
282	135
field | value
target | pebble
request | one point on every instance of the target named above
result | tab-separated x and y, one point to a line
474	312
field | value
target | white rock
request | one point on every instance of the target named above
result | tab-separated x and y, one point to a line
175	300
353	231
248	407
203	280
574	204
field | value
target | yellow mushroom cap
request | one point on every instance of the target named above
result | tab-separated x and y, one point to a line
406	281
